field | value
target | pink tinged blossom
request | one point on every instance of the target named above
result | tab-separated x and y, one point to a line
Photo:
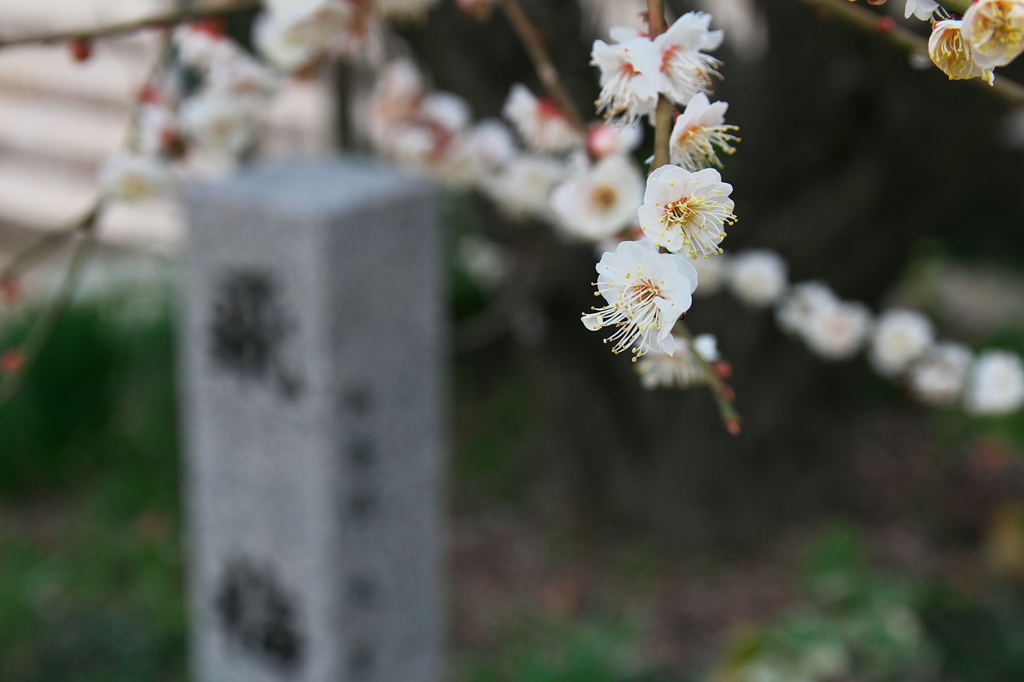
628	86
682	67
541	123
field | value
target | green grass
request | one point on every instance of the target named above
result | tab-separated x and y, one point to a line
90	561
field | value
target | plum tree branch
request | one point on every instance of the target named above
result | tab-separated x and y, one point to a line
530	36
164	20
905	39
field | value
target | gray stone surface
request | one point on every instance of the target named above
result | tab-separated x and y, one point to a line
313	394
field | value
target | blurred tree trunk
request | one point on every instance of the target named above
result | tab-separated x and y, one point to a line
848	158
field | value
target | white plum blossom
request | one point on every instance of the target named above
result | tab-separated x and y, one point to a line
540	122
922	9
399	91
996	383
699	133
157	126
291	34
938	377
899	338
712	273
995	31
200	47
952	54
600	201
646	292
628	89
604	140
684	211
132	177
681	368
523	187
491	145
682	69
758	277
802	303
837	332
216	123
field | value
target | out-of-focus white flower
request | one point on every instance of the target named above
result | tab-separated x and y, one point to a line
758	277
293	34
922	9
485	261
523	188
398	92
682	68
446	110
899	338
646	292
996	383
217	123
157	127
601	200
995	31
200	47
681	368
404	9
540	122
684	211
491	145
712	273
628	86
938	377
804	301
698	132
239	75
952	54
132	177
837	332
604	140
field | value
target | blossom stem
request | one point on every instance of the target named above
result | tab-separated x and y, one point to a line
905	39
164	20
530	36
663	114
45	324
662	134
730	417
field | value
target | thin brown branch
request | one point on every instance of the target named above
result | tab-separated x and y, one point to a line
165	20
905	39
957	6
46	323
530	36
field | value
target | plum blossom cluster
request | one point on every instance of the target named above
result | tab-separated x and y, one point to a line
990	34
205	99
647	282
900	344
293	34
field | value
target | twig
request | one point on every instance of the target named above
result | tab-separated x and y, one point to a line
47	321
156	21
905	39
546	71
723	397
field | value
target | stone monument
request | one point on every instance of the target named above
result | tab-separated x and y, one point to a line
313	398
